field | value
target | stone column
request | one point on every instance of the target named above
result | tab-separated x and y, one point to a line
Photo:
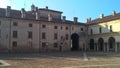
116	50
104	47
107	47
97	47
94	46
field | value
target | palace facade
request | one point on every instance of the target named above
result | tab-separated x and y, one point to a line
46	30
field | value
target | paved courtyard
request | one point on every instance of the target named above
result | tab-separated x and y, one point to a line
62	60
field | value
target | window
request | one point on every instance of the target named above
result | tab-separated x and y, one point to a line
81	29
110	28
0	34
55	36
30	25
43	26
61	37
100	30
15	34
66	36
55	45
29	34
0	22
61	27
15	24
55	27
43	44
66	28
91	31
72	28
43	35
14	44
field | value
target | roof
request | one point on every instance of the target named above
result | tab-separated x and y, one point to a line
16	14
105	19
50	10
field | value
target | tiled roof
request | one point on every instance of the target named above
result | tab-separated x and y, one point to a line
105	19
29	15
50	10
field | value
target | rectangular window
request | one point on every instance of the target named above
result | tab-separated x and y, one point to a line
66	36
110	28
29	34
55	27
81	29
30	25
55	36
43	44
72	28
55	45
66	28
15	34
14	44
15	24
91	31
100	30
43	26
0	22
0	34
61	27
61	37
43	35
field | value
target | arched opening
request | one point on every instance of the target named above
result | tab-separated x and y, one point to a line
75	42
111	43
100	44
91	44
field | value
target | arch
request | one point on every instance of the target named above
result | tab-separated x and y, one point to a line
75	41
91	44
111	42
101	44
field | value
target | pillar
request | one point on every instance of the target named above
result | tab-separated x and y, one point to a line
116	50
97	47
94	46
107	47
104	48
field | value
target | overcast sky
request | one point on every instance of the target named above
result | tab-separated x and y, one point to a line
71	8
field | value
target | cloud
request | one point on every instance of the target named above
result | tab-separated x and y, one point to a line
4	3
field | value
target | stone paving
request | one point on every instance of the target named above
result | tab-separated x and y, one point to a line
62	60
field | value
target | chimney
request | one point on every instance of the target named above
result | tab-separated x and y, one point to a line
113	13
47	7
49	17
64	18
101	16
37	16
75	20
88	20
23	13
8	11
36	9
33	7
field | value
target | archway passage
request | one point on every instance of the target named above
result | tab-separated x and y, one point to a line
100	44
75	42
111	43
91	44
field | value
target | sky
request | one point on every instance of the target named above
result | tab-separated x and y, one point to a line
82	9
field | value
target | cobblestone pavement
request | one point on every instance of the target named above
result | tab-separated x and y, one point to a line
59	60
